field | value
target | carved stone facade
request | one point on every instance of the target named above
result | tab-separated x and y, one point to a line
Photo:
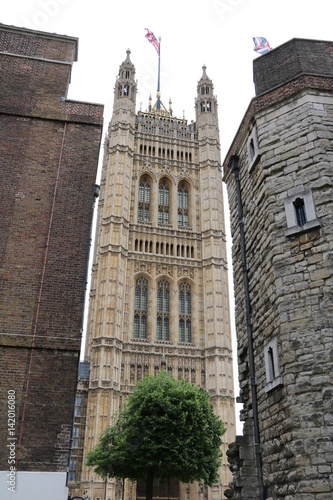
279	174
159	296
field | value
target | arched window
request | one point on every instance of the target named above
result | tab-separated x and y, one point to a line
163	203
126	90
140	308
185	329
144	200
163	303
182	205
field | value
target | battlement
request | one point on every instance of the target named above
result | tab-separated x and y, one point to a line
169	126
292	59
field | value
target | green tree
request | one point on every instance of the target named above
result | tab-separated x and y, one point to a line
166	429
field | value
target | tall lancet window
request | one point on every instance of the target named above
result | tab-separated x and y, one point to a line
185	326
140	308
144	200
163	203
163	303
182	205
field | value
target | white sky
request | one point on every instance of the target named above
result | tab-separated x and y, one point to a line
217	33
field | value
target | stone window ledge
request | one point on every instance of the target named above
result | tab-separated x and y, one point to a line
308	226
274	383
254	161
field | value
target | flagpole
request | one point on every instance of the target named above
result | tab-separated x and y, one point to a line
159	72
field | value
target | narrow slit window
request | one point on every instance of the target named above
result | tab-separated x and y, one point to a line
251	149
253	152
272	365
300	211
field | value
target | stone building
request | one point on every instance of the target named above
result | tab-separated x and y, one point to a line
159	294
49	148
279	175
79	423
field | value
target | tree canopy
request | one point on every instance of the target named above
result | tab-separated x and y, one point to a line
165	429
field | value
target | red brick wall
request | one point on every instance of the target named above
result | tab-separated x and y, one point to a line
35	44
48	162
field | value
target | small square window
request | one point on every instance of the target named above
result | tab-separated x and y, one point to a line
300	213
272	365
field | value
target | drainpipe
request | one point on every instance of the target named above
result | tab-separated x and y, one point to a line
234	165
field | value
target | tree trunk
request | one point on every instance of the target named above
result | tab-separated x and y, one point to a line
150	481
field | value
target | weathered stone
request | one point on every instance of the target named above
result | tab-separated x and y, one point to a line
290	277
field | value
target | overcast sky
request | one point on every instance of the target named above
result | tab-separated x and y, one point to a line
217	33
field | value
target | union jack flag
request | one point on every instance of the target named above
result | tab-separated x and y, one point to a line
261	45
153	40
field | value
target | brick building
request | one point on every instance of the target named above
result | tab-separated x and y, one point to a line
49	148
279	175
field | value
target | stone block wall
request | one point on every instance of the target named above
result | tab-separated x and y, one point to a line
290	275
49	151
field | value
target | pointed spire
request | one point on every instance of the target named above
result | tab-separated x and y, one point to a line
125	83
205	84
127	63
170	106
206	104
204	77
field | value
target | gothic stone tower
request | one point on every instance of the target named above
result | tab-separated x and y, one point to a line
283	160
159	297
